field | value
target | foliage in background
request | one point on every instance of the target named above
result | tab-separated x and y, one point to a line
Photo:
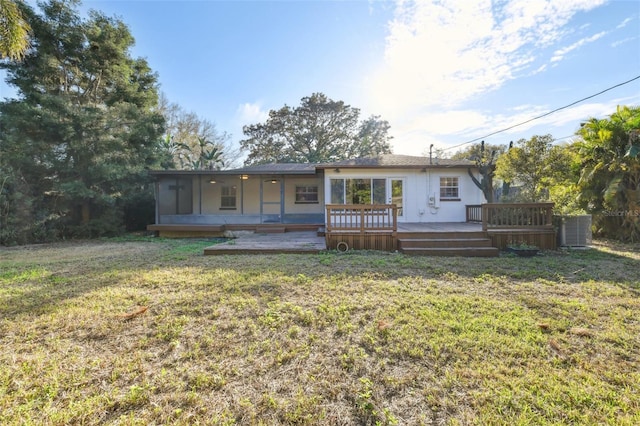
535	166
14	31
76	143
319	130
191	142
610	173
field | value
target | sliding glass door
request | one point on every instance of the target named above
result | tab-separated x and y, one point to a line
368	191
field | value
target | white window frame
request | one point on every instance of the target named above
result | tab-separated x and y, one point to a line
448	186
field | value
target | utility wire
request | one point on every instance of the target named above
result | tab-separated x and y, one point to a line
543	115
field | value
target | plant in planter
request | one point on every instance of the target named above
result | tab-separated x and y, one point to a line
523	249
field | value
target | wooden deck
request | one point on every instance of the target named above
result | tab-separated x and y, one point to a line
270	243
198	230
311	242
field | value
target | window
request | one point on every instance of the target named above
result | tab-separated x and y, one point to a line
359	191
337	191
306	195
228	198
449	190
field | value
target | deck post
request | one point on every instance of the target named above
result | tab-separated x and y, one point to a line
485	216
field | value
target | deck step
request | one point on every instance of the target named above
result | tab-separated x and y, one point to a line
321	231
270	229
453	251
443	242
440	234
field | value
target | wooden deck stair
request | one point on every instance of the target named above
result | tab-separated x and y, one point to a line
467	244
271	229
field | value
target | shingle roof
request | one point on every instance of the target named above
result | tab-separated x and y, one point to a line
277	168
260	169
385	160
396	161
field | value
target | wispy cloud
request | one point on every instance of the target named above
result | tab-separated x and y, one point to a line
440	54
623	41
624	23
559	54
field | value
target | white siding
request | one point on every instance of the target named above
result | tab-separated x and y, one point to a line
418	186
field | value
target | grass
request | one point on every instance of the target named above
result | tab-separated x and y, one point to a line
365	338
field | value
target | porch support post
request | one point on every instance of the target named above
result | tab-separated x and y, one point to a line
199	194
156	188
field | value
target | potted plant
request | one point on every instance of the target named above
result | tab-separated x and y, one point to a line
523	249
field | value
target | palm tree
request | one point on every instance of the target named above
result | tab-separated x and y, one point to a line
610	177
210	155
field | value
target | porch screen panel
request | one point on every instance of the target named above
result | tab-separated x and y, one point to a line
184	196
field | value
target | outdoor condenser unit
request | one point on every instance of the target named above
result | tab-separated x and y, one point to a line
574	231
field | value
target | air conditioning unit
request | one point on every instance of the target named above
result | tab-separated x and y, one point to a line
574	231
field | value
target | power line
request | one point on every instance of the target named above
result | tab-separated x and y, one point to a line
543	115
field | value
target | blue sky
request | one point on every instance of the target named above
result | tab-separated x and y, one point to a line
441	72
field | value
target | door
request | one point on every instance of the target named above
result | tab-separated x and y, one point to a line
395	194
271	204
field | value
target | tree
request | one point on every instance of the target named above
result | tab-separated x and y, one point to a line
319	130
535	165
14	31
609	184
485	158
185	132
78	139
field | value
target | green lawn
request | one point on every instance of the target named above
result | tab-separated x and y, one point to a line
369	338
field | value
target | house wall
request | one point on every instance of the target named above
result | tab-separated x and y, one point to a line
205	200
418	187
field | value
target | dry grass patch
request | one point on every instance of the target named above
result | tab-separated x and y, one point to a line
367	338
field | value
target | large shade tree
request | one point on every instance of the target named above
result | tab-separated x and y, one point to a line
75	143
319	130
14	30
609	183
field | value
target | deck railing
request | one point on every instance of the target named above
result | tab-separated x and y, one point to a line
517	215
362	217
362	226
474	213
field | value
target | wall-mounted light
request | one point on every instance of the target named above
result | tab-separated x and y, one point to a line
244	177
423	170
337	170
272	180
214	180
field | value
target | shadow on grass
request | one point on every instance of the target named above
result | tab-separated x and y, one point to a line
36	281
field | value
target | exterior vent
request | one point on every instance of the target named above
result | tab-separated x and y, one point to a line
574	231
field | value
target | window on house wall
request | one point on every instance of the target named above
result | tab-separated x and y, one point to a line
307	194
358	191
379	191
228	198
449	189
337	191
